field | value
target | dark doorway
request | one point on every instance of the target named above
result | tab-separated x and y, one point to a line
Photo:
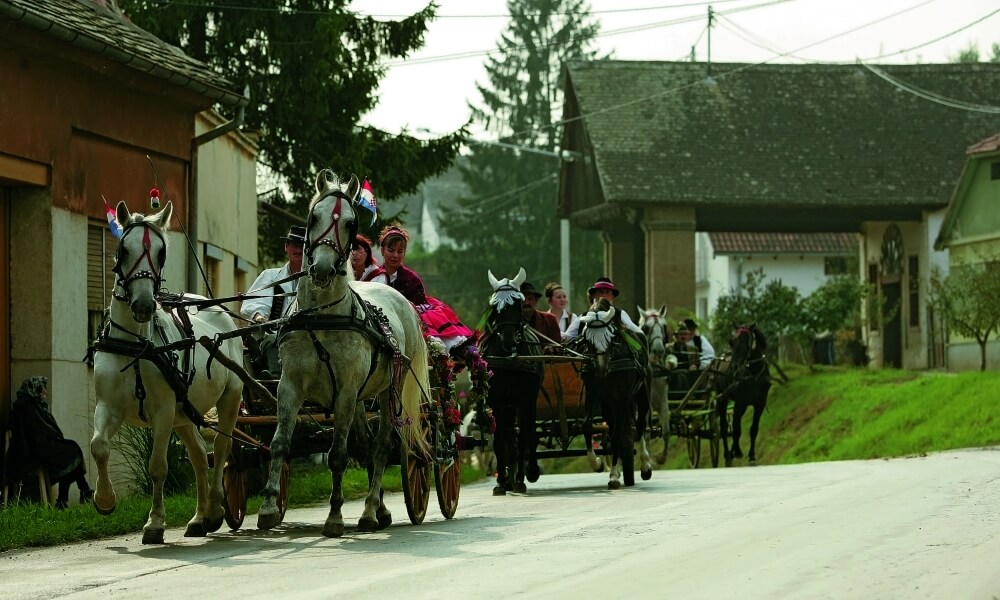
4	327
892	329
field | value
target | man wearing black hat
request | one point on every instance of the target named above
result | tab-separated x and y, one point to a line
275	300
543	322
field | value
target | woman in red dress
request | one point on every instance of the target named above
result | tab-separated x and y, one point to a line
438	318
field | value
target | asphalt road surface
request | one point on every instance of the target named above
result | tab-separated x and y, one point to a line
923	527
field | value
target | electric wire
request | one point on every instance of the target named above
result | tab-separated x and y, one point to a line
932	97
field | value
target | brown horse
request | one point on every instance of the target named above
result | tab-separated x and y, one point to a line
746	380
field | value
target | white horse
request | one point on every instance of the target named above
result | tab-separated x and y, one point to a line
654	325
132	387
334	352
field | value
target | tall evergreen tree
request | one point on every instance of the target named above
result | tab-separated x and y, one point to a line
312	68
509	218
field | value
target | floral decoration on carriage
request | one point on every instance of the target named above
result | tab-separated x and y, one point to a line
445	366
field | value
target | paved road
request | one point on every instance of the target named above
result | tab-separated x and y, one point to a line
909	528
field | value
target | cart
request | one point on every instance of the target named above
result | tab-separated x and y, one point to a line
693	417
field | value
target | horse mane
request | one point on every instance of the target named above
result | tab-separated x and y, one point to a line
761	340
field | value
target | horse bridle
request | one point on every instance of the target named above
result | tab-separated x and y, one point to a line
743	369
341	247
657	331
154	273
518	324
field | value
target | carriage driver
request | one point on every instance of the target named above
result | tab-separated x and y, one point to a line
603	288
270	307
543	322
706	353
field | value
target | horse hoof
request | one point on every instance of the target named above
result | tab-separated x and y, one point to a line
646	474
367	525
103	509
520	488
729	462
534	472
499	491
195	530
334	530
152	536
737	454
614	484
600	468
384	519
753	462
213	525
267	521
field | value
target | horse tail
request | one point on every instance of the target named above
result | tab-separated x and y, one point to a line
416	385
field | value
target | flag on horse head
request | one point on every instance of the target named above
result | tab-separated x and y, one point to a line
113	224
367	199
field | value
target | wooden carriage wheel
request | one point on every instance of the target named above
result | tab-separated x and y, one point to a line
282	499
235	488
694	447
448	483
416	474
714	438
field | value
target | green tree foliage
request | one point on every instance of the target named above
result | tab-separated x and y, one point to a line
967	299
509	219
970	54
312	68
782	313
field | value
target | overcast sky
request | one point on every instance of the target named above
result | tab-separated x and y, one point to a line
430	92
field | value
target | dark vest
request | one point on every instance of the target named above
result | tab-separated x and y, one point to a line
277	304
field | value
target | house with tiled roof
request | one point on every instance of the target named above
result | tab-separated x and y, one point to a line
800	260
95	108
654	152
970	232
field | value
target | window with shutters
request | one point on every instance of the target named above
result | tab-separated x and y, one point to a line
101	246
212	274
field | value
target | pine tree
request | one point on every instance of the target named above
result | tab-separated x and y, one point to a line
312	68
509	219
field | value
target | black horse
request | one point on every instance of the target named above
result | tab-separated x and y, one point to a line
617	381
514	385
744	378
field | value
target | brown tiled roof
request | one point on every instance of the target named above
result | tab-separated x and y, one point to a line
779	134
784	243
990	144
93	26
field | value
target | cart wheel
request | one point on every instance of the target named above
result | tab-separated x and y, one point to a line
235	488
713	441
448	481
282	499
694	449
416	484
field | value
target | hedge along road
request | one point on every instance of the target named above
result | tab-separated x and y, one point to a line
926	527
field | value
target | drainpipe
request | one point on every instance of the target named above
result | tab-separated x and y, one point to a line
195	274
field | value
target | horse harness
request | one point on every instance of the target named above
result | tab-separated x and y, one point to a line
373	325
166	357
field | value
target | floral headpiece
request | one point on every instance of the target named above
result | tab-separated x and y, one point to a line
390	231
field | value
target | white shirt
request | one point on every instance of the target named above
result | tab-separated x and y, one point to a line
707	351
262	306
574	329
567	320
381	278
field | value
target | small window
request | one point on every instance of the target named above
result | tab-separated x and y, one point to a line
913	271
835	265
101	246
212	277
995	171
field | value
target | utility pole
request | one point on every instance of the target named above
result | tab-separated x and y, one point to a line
711	17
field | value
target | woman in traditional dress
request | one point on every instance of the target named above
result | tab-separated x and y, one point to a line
438	318
366	268
556	295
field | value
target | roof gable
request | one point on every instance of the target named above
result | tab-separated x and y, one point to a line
779	134
984	151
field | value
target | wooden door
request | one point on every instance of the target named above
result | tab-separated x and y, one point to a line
892	333
5	395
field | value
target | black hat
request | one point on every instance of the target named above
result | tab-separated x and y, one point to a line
528	289
296	235
603	283
691	324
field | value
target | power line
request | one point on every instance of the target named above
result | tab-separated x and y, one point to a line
514	192
931	96
722	74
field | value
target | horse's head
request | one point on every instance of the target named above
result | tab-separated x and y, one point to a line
599	333
139	260
331	226
748	345
505	310
654	325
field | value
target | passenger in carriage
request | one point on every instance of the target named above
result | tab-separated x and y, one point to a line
677	379
365	267
558	301
604	288
543	322
706	352
438	318
272	304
